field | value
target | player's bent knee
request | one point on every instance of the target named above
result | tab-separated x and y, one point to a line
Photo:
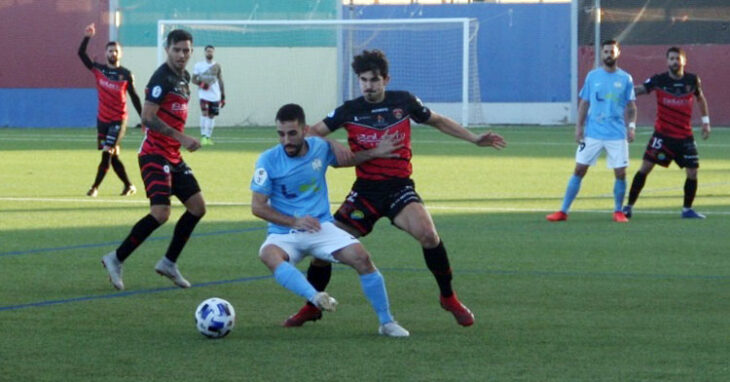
160	213
272	256
429	238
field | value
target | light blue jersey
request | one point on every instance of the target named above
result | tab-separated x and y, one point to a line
296	186
608	94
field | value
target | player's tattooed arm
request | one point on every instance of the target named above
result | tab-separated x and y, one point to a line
154	123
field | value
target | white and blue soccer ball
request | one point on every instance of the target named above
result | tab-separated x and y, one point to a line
215	317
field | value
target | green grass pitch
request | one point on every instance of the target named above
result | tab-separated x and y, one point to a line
583	300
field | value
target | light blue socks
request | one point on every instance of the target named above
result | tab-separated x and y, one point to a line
290	278
373	285
571	192
619	191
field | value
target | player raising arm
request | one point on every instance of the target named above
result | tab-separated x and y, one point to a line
112	82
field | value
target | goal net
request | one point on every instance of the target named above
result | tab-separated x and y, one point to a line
267	63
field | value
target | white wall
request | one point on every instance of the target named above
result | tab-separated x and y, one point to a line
257	82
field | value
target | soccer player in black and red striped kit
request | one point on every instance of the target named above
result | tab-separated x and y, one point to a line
112	82
163	170
673	140
383	187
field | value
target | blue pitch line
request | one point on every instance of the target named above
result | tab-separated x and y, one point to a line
130	293
340	267
96	245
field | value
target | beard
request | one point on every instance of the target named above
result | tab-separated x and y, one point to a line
207	57
610	62
293	150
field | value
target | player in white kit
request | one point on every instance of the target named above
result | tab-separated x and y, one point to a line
209	78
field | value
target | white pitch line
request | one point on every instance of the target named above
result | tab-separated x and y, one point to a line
228	141
428	206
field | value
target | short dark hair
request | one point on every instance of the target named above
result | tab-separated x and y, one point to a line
209	46
610	42
677	50
110	43
178	35
374	60
291	112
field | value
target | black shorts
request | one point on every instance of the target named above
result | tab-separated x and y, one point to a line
110	133
368	201
662	150
212	108
162	179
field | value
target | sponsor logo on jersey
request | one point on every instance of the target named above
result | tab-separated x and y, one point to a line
368	138
675	101
398	113
176	106
357	215
317	164
109	84
379	110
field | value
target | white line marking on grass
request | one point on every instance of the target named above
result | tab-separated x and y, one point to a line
429	206
236	140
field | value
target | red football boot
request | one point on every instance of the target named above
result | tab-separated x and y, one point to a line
306	313
559	216
463	315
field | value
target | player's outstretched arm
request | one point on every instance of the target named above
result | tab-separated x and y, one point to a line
261	208
154	123
89	32
448	126
640	89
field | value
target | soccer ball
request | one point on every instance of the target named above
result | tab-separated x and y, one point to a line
215	317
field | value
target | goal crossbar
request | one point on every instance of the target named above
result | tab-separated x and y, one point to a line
463	21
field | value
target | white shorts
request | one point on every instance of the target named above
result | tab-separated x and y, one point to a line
321	244
617	152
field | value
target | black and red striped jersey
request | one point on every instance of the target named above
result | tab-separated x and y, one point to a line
675	99
111	85
366	123
172	92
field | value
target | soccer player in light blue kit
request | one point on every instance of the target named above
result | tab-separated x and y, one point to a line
607	94
290	192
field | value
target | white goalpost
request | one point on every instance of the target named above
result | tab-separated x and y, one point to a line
267	63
